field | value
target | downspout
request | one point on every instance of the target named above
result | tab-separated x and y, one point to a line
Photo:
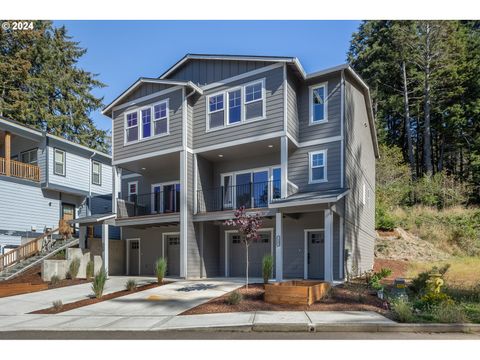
47	168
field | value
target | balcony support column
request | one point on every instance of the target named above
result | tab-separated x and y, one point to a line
8	152
183	213
284	166
328	243
105	244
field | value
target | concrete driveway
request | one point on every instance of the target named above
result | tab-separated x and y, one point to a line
166	300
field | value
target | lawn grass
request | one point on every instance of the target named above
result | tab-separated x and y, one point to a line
464	272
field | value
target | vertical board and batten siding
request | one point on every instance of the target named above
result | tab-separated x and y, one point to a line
24	204
272	123
150	244
144	147
292	107
203	72
359	169
330	128
144	90
298	167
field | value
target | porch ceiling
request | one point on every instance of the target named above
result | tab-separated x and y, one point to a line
151	166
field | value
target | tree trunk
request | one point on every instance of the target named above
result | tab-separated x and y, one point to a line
408	130
246	249
427	136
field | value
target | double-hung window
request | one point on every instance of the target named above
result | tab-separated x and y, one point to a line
132	191
234	106
131	127
29	157
318	166
160	118
59	167
96	173
146	122
254	100
216	112
318	103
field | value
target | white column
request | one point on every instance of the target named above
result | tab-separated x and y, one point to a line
341	246
328	261
82	235
183	213
116	187
278	246
284	165
105	247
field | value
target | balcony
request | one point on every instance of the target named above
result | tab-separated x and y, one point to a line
19	170
156	203
252	195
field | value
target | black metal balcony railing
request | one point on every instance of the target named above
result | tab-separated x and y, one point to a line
251	195
160	202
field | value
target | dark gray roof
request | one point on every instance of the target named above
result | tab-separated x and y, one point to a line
310	198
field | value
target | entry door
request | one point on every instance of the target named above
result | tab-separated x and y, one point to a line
173	255
256	252
315	256
68	211
133	257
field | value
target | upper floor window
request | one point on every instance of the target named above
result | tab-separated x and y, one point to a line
160	118
29	157
318	103
131	128
236	105
59	167
132	191
146	122
318	167
96	173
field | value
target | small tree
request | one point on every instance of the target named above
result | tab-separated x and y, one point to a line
247	225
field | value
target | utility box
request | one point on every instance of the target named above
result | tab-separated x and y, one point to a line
399	288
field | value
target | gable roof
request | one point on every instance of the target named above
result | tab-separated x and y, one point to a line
144	80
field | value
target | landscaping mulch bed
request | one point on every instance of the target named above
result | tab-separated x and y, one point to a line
399	268
94	300
351	297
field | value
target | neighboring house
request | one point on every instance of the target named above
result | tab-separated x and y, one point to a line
217	132
44	178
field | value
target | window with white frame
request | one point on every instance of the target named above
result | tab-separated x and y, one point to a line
318	166
132	191
59	167
160	118
131	127
146	122
254	100
216	112
29	157
234	106
96	173
318	103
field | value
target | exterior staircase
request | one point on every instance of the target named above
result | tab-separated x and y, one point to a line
32	253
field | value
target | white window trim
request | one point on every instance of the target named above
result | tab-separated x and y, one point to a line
35	151
152	121
226	104
99	173
310	173
128	189
310	103
64	172
161	185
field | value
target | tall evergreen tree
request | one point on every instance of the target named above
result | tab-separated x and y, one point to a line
41	84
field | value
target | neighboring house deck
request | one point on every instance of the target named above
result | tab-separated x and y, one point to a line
215	133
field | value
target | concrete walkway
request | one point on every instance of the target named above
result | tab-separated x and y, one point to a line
25	303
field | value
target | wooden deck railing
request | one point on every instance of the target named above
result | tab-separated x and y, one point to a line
24	251
20	170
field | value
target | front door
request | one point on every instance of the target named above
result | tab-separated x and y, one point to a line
134	257
173	255
68	212
315	256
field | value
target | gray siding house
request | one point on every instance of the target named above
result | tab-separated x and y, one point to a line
44	178
217	132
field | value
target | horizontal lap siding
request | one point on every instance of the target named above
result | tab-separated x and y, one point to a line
106	182
292	107
24	206
203	72
360	169
211	250
193	235
332	126
174	139
298	167
77	173
272	123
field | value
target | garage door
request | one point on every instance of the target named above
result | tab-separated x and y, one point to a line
256	251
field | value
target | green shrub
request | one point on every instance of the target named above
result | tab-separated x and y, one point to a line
130	285
383	219
57	305
267	267
419	284
403	311
73	268
432	300
449	313
374	281
54	280
98	283
234	298
89	270
160	269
